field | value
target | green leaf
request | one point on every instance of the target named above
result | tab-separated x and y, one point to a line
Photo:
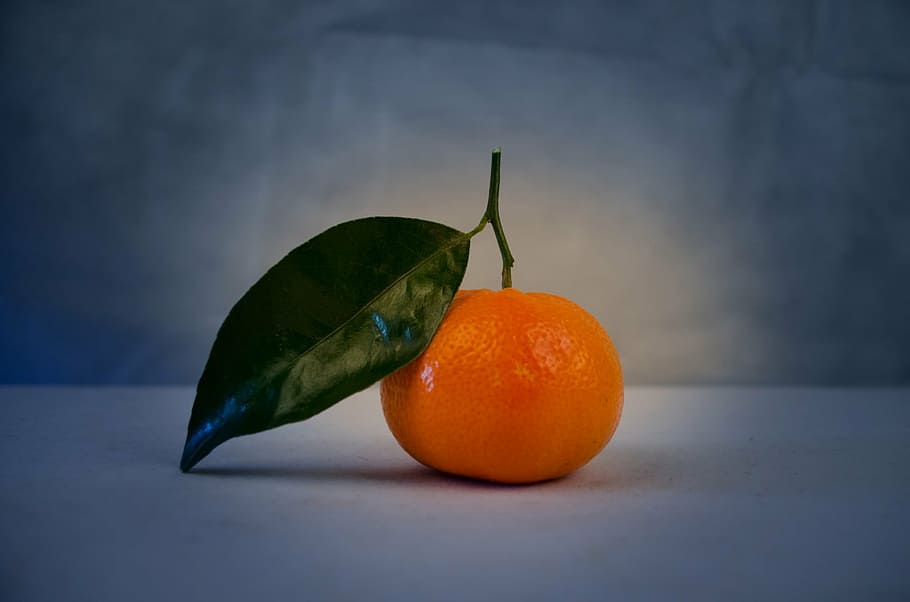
337	314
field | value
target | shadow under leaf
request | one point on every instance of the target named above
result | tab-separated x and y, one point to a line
617	468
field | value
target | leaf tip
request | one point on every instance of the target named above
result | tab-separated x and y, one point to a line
199	442
186	462
188	459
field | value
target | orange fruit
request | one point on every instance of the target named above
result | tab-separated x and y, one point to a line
514	387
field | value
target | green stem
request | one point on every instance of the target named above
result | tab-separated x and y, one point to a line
491	216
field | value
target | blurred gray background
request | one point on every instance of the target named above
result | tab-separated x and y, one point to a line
724	185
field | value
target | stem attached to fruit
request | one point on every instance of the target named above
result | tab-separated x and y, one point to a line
491	216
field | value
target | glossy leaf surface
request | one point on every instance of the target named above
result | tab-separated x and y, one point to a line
337	314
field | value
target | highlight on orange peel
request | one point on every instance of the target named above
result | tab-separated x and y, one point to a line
514	388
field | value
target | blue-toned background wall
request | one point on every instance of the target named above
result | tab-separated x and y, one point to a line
723	184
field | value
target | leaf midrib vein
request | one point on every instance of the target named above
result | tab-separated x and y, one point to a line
462	236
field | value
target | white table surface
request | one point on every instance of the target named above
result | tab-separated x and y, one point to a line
704	494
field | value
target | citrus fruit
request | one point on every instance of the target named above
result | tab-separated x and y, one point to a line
514	387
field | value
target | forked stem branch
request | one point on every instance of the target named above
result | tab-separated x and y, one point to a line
491	216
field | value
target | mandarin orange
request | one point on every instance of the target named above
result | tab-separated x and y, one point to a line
514	388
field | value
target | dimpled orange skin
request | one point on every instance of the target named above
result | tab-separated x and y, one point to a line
514	388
